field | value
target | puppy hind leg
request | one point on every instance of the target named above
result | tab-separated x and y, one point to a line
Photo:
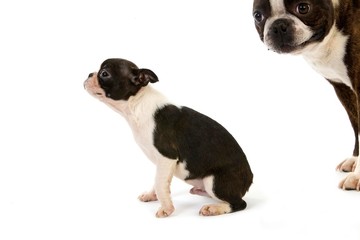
218	190
213	209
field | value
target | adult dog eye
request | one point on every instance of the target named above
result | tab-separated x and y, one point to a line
104	74
303	8
258	16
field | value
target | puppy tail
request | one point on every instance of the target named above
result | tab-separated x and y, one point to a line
238	206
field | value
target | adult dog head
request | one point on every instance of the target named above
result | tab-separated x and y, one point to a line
288	26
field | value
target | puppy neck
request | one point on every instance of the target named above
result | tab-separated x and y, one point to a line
140	107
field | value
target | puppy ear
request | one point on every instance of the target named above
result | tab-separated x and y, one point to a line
143	76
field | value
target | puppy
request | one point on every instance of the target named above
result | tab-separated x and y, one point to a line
180	141
327	34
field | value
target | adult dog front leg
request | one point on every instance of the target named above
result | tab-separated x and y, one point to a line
351	102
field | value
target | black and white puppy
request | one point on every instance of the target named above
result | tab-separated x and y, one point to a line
327	34
180	141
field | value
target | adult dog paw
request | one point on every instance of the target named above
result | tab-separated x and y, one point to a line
351	182
348	165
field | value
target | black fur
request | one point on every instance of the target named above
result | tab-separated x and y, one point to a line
207	148
122	79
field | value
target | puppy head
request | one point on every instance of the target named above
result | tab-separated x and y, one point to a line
118	79
289	26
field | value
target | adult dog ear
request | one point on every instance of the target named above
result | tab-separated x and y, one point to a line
143	76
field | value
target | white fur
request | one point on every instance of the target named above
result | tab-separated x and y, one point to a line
165	169
277	7
208	186
181	171
335	3
138	110
327	57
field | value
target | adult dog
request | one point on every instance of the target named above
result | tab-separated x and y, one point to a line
327	34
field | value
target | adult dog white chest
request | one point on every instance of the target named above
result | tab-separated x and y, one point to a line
327	57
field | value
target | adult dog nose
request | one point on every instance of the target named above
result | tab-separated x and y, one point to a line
280	27
91	74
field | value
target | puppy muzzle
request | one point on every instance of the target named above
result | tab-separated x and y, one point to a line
92	86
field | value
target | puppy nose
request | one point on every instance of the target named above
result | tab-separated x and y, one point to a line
91	74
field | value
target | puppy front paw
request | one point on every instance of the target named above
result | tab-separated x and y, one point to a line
348	165
351	182
148	197
165	212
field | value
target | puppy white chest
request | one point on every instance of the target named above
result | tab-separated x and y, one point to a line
144	138
327	57
181	172
140	116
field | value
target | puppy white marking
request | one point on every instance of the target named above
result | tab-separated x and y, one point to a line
138	110
181	171
208	186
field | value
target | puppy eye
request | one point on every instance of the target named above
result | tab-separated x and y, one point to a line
258	16
104	74
303	8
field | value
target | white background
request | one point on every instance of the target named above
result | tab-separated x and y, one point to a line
69	168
